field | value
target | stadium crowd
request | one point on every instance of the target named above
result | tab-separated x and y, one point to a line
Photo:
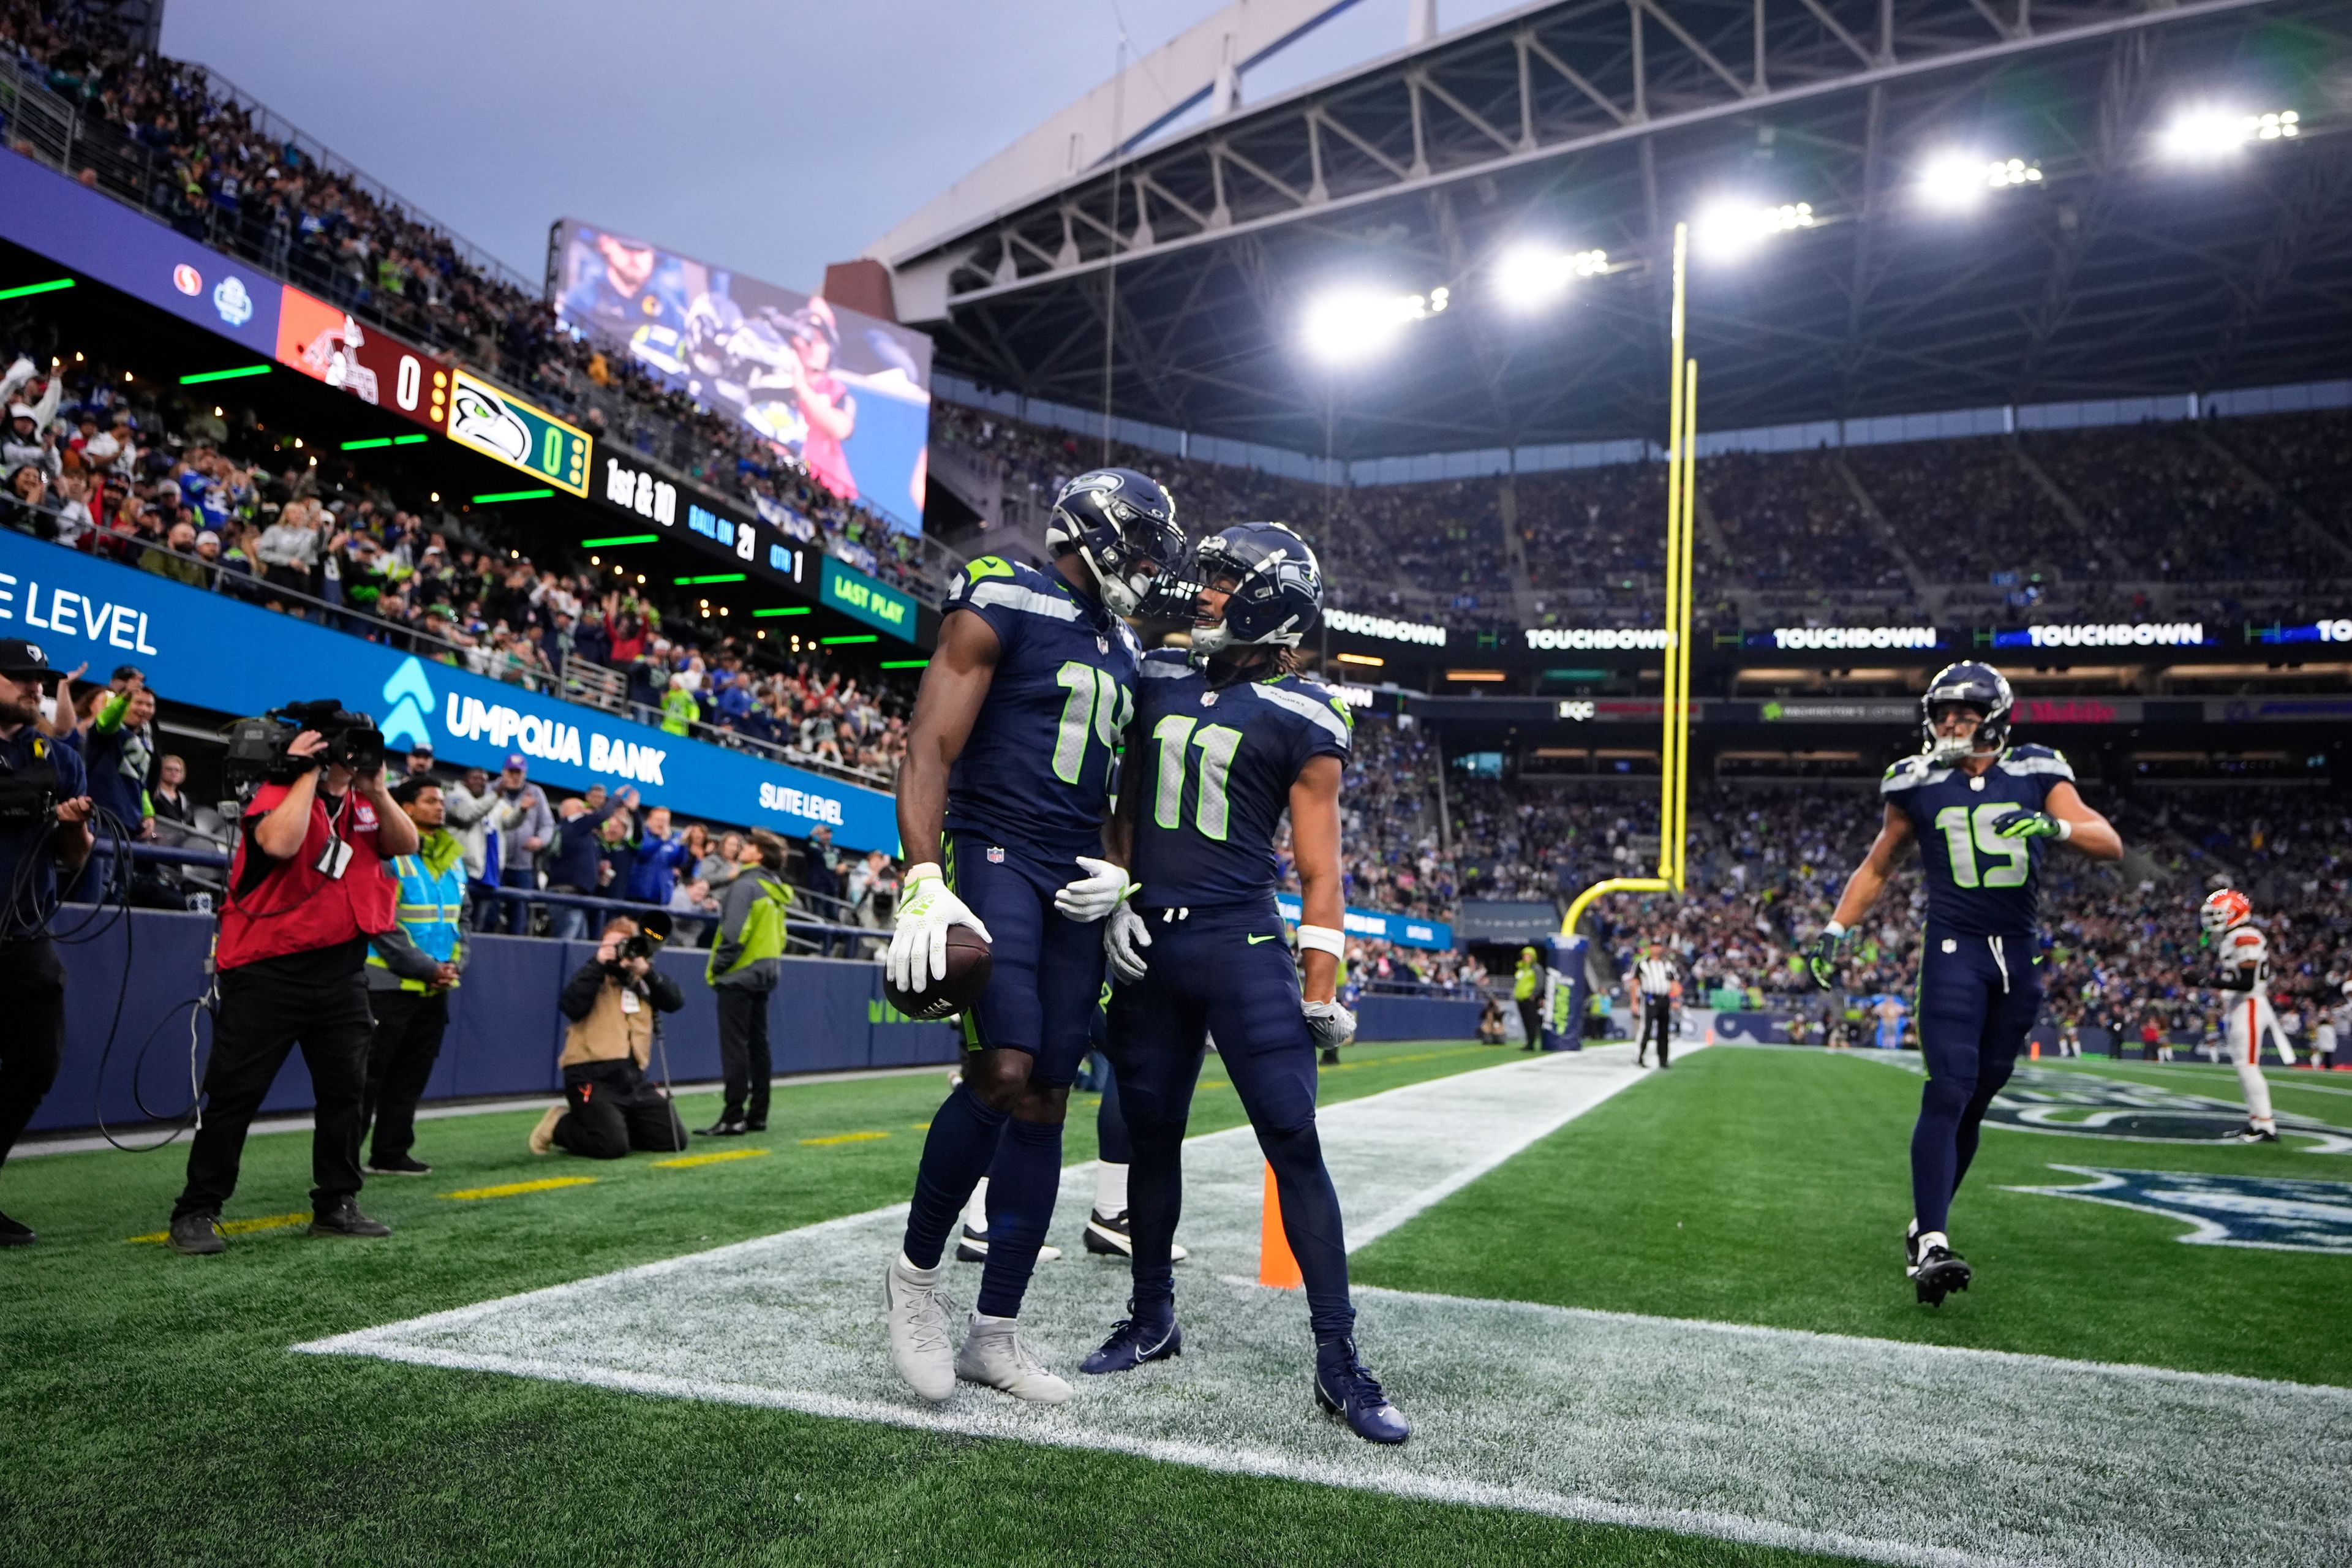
2162	510
164	135
105	464
2123	945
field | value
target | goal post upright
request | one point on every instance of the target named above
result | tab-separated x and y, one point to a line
1682	428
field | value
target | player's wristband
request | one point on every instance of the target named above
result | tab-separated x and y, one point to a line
1322	939
2065	829
1834	930
928	870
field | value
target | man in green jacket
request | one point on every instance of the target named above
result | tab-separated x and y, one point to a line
1526	991
411	970
680	711
746	962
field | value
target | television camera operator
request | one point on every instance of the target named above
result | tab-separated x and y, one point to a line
610	1106
308	885
44	815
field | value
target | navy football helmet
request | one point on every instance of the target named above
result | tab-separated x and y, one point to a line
1124	525
1968	684
1278	586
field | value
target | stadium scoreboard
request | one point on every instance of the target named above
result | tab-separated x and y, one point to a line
499	425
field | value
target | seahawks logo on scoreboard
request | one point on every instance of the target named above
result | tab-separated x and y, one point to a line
2275	1212
2041	1100
479	418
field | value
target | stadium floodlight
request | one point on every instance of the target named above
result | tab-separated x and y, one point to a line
1961	180
2205	133
1354	323
1735	228
1531	276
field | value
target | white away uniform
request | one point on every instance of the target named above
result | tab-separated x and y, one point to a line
2247	1020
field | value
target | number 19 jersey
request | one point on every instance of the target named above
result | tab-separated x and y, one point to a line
1215	766
1978	883
1035	774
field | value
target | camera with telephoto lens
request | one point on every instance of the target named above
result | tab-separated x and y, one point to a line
653	931
257	747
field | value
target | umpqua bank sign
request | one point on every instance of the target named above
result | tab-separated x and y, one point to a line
544	736
232	658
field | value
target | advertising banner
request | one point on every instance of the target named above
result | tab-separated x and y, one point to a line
100	237
846	395
207	649
1405	931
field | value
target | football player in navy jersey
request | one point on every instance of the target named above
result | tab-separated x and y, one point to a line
1007	782
1982	812
1225	740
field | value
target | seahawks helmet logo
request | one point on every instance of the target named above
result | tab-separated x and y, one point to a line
477	417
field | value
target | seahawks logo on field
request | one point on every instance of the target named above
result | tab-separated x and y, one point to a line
2041	1100
2276	1213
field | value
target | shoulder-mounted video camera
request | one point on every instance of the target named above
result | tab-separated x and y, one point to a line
29	794
257	747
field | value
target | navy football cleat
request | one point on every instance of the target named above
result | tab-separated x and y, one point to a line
1345	1389
1133	1343
1940	1271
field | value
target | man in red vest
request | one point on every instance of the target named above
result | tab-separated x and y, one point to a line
308	885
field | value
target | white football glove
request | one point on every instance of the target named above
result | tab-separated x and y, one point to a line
1331	1025
1124	935
1096	894
918	940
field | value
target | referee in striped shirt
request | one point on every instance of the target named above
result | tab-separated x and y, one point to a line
1655	976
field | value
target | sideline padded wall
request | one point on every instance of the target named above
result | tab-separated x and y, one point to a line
505	1032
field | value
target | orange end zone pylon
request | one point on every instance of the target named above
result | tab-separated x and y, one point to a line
1276	1265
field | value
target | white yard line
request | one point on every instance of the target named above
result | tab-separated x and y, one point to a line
1898	1453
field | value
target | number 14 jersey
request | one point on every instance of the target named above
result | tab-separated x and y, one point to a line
1978	883
1035	774
1213	766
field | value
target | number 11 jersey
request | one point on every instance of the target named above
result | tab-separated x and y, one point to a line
1215	766
1978	883
1035	774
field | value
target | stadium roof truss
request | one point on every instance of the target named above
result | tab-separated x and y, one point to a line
1598	124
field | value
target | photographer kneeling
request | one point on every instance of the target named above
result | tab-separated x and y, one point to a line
610	1106
307	886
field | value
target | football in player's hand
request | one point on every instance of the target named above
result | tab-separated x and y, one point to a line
968	964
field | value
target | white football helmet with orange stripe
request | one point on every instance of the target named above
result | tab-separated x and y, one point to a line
2223	907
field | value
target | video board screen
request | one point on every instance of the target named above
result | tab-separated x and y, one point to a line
846	395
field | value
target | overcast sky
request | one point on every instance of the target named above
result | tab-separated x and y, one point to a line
770	138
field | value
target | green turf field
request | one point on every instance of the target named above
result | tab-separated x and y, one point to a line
157	1415
1772	1186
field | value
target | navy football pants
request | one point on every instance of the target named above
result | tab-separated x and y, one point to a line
1045	981
1977	999
1206	976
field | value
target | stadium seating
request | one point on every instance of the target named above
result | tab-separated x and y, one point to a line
1767	863
2151	519
313	539
162	135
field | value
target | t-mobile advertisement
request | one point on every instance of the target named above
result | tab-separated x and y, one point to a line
846	395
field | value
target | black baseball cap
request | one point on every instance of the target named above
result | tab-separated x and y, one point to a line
21	659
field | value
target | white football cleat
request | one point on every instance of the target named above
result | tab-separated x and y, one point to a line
995	1354
918	1312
